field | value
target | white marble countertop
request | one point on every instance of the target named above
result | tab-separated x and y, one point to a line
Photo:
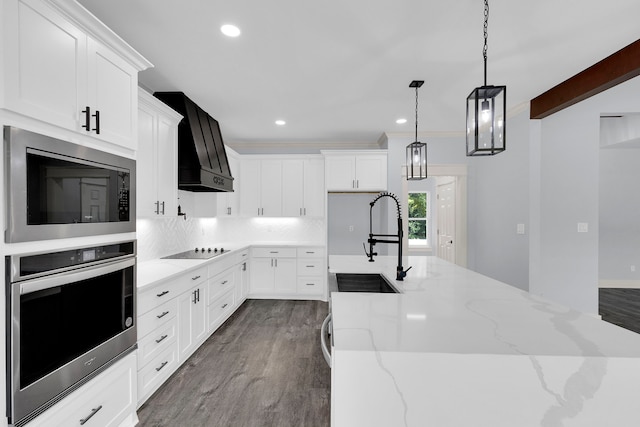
456	348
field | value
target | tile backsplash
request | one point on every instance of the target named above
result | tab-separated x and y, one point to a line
166	236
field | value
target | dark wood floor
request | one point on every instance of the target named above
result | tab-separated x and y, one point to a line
263	367
621	307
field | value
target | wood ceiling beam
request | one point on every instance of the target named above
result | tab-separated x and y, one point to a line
615	69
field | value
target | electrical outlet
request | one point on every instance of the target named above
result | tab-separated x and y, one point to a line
520	229
351	228
633	268
583	227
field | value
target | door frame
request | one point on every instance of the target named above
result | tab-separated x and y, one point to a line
459	173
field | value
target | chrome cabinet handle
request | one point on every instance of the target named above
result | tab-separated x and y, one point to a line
93	411
195	278
225	305
162	338
224	282
310	266
276	262
161	294
310	284
157	207
229	211
353	183
162	208
244	266
357	183
160	316
162	366
274	252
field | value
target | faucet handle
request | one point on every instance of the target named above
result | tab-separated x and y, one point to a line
401	274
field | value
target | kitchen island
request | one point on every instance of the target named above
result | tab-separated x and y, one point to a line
455	348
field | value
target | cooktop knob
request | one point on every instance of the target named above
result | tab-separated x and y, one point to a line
215	250
221	250
197	250
209	250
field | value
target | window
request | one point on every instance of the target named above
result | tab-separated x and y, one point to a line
418	204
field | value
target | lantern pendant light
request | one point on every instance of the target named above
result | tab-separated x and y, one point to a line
416	151
486	111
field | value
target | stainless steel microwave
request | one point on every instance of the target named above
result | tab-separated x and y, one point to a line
57	189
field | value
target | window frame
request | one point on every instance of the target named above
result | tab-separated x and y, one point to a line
420	243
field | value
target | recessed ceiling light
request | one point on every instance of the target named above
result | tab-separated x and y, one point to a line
281	122
401	121
230	30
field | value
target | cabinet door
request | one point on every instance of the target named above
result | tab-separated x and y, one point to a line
146	165
371	172
227	202
340	173
262	275
292	188
45	64
250	187
113	91
167	172
271	188
285	279
314	193
191	321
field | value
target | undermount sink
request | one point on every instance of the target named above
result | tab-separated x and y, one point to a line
351	282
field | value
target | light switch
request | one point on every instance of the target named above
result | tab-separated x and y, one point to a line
583	227
520	229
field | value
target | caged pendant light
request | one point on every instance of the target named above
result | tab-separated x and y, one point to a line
486	111
416	151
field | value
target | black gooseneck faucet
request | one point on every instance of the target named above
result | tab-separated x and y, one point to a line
388	238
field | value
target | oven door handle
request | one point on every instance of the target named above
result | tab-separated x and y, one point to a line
72	276
324	331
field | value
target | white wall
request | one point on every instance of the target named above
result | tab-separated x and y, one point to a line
565	263
619	225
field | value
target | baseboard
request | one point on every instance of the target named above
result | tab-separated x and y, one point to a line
627	284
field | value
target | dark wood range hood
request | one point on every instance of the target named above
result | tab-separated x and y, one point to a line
202	160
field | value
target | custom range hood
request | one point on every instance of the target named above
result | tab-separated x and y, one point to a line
202	161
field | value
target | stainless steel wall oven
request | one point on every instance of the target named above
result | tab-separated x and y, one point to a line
57	189
70	314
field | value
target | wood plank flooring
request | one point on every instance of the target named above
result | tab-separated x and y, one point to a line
621	307
263	367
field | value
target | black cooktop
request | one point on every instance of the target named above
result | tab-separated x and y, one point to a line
198	253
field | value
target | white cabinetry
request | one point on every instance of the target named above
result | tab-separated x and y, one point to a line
303	187
64	67
108	400
273	271
227	202
356	171
288	272
311	271
192	322
157	158
282	187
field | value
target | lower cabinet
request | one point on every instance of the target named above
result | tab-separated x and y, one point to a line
192	321
287	272
176	316
107	400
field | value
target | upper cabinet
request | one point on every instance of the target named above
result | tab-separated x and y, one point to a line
356	171
227	202
282	186
64	67
157	158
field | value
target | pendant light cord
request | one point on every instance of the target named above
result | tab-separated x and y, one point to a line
416	113
486	36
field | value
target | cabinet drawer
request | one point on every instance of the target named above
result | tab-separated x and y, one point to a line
220	308
157	371
156	342
221	264
220	284
110	397
310	285
310	267
160	294
192	278
311	252
157	317
273	252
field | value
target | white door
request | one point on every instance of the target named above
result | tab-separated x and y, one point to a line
292	187
446	198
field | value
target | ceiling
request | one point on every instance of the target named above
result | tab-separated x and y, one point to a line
338	72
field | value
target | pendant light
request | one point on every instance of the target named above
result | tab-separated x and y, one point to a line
416	151
486	111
